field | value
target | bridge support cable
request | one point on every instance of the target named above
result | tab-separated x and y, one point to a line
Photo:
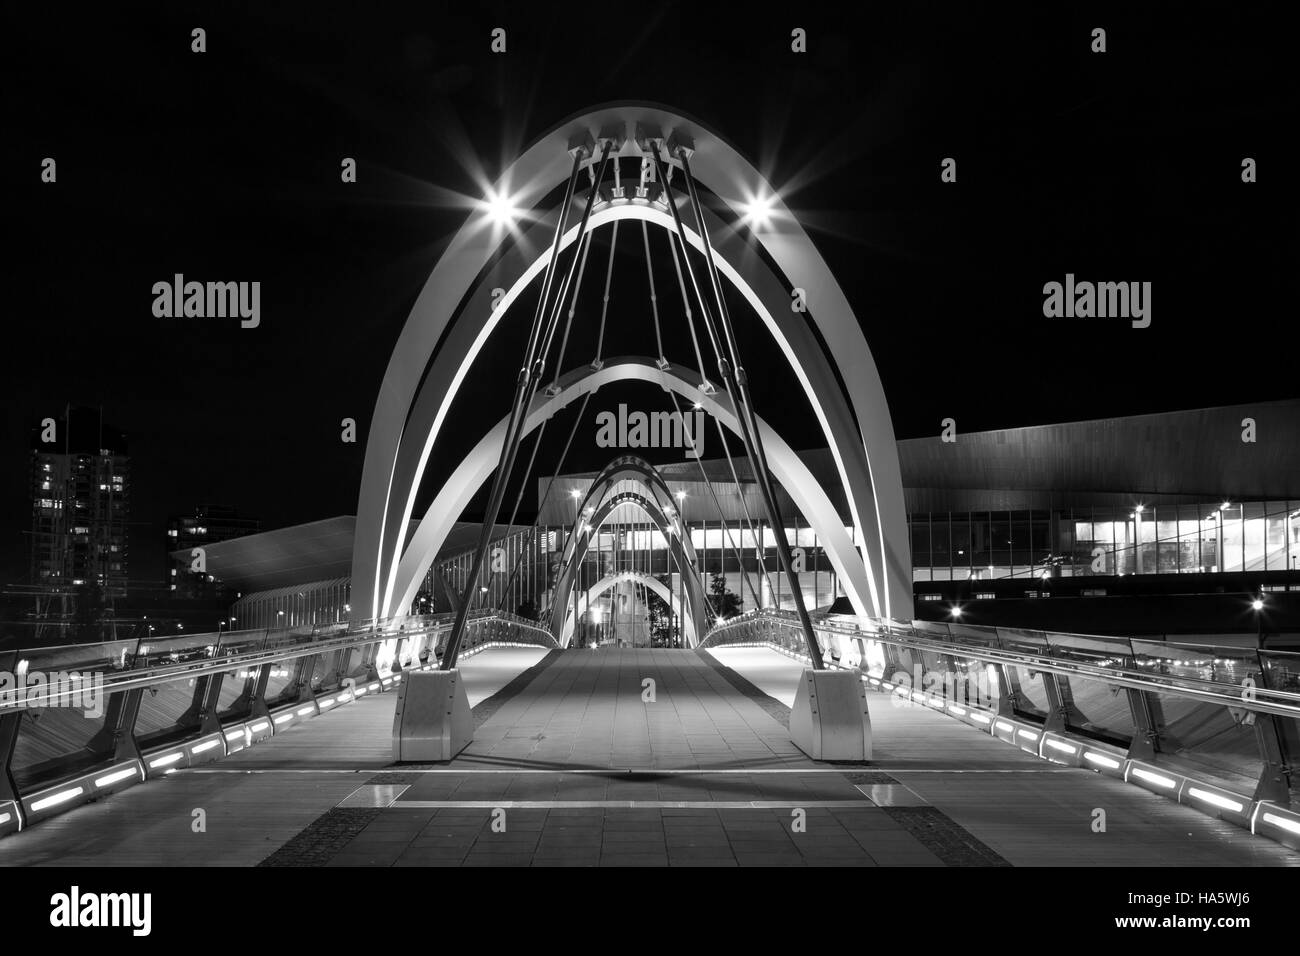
596	363
525	388
733	376
706	386
599	360
662	362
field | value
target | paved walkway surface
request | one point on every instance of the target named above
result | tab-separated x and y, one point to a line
636	757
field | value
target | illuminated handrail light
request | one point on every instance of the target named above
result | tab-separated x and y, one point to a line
981	718
344	698
204	747
1291	826
232	734
304	711
1155	778
283	719
1003	725
326	702
63	796
960	711
166	761
258	727
4	818
1063	746
1217	800
111	778
1108	762
1032	735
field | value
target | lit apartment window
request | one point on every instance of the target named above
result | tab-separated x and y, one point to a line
45	486
171	532
117	478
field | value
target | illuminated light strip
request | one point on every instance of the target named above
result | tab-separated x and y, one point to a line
360	691
1102	759
4	818
1063	747
304	711
1032	735
109	779
204	747
957	710
1155	778
344	698
165	761
283	719
373	687
326	702
1291	826
258	727
1003	725
63	796
1217	800
233	734
885	683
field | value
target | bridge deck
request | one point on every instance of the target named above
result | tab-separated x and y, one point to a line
582	770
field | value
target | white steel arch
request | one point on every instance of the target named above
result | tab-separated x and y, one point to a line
868	465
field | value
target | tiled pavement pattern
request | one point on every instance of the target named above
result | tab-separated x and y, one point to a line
609	778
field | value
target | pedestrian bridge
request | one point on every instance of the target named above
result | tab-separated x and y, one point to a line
991	748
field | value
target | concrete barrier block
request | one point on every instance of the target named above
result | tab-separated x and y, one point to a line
829	720
432	720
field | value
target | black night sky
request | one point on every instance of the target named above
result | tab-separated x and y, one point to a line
225	166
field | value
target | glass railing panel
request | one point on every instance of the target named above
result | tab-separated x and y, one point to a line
279	679
1215	743
1113	652
1023	641
1099	710
106	658
56	742
1197	662
168	713
241	642
1030	696
235	700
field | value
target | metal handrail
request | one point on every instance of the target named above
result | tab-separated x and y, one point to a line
360	636
1261	699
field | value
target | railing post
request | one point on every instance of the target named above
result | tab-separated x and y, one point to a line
203	706
9	724
1006	696
1146	714
1274	775
302	675
257	701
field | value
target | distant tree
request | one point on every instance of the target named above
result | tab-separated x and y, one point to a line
660	615
724	602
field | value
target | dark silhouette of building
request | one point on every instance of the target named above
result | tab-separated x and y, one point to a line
208	525
81	493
